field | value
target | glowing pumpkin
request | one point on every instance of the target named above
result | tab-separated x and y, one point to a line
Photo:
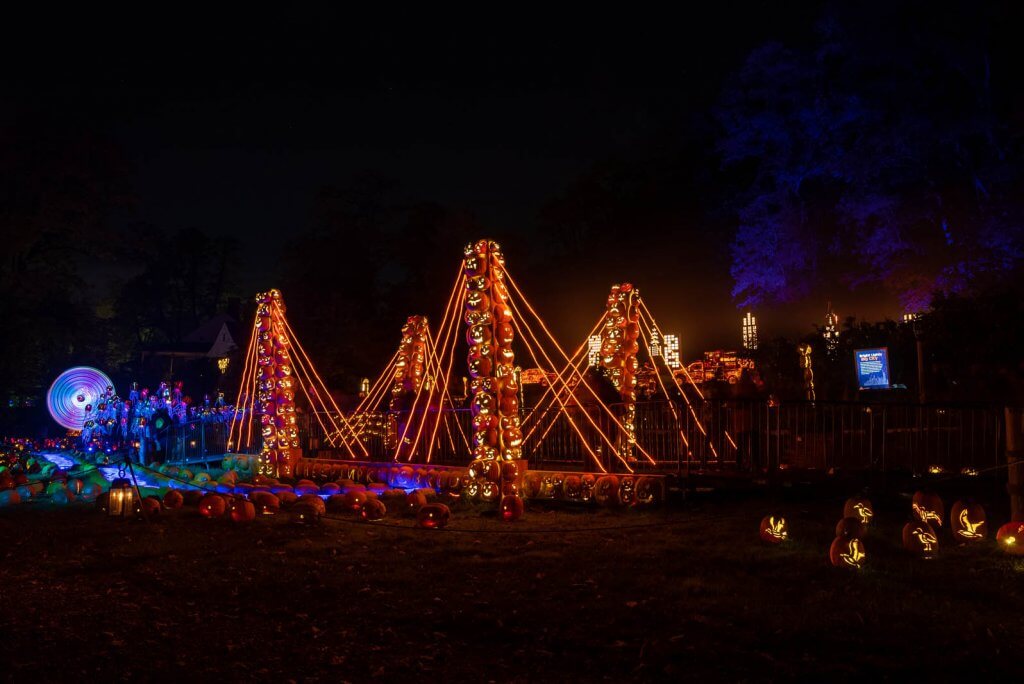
242	511
212	506
373	509
847	552
606	490
287	498
860	508
572	488
173	499
1011	538
314	501
648	490
967	521
265	504
928	507
851	528
304	514
354	501
511	507
920	539
587	483
774	529
414	501
433	516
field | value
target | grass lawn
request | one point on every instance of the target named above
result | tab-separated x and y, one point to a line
686	591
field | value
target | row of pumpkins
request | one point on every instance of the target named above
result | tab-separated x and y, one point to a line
920	535
305	509
60	490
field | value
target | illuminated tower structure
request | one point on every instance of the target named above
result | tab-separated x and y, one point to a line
749	332
831	331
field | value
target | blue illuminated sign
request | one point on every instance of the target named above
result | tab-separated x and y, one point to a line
872	368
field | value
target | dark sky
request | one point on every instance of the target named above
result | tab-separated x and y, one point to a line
232	127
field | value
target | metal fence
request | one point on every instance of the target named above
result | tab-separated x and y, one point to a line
195	441
711	436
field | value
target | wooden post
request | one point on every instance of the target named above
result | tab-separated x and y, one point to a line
1015	461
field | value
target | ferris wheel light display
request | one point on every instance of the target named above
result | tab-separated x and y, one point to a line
72	391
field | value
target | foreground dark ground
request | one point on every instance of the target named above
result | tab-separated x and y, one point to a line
682	592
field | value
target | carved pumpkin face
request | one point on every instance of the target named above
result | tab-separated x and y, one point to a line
847	552
859	507
773	529
920	539
1011	538
967	521
587	483
648	490
928	507
606	490
572	488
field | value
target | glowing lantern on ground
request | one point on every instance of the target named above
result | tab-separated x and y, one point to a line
511	507
859	507
847	552
121	500
373	509
433	516
928	507
173	499
773	529
242	510
1011	538
851	528
967	521
920	539
212	506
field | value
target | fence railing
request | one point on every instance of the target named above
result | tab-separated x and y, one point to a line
727	436
196	440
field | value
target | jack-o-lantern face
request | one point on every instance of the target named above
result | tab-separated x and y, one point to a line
920	539
847	552
967	521
860	508
572	487
928	507
773	529
587	482
627	491
606	490
648	491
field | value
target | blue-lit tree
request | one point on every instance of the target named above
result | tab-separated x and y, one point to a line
878	153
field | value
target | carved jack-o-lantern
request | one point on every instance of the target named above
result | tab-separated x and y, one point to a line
1011	538
648	490
265	503
627	491
414	501
572	488
606	490
920	539
242	510
304	514
373	509
773	529
433	516
314	501
847	552
511	508
587	483
851	527
859	507
967	521
355	500
928	507
212	506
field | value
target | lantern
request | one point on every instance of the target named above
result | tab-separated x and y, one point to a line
920	539
967	520
773	529
121	499
847	552
928	507
859	507
433	516
1011	538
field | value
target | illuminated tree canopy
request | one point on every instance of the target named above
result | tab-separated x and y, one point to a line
879	153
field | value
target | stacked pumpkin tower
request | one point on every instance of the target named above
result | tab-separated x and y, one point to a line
618	358
410	367
275	390
497	466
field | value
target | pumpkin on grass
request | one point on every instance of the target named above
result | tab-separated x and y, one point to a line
433	516
851	527
920	539
373	509
928	507
212	506
242	511
265	503
511	507
173	499
304	514
314	501
1011	538
773	529
847	552
860	508
967	521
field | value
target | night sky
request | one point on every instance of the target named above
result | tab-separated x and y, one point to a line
232	126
